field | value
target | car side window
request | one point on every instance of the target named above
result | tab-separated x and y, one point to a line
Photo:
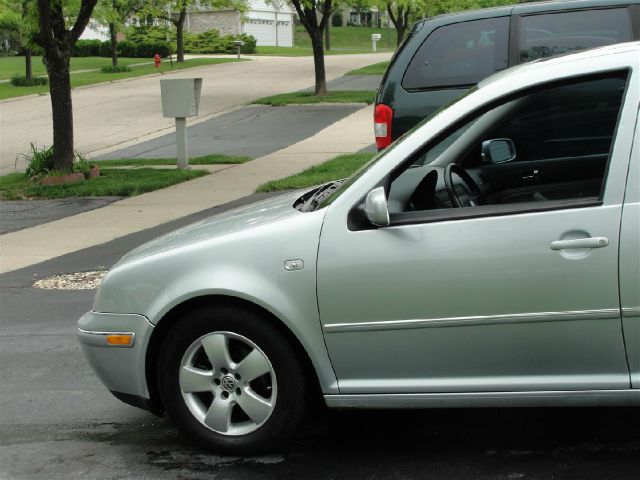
544	35
460	54
551	144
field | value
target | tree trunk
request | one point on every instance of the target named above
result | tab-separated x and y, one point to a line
180	36
28	72
327	35
400	30
113	37
318	62
60	89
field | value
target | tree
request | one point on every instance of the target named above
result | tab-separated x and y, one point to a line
114	13
175	11
308	11
58	41
401	13
18	17
404	12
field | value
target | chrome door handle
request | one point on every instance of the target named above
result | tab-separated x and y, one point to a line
590	242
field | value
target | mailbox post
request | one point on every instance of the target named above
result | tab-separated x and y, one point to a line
181	99
375	37
238	44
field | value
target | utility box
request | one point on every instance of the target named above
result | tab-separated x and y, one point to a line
180	97
375	37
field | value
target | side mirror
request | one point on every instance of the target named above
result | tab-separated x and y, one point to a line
375	207
498	150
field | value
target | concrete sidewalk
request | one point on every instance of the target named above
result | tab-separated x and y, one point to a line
37	244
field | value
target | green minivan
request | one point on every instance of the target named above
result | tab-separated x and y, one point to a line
443	56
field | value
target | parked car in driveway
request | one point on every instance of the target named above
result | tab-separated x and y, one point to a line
490	258
444	56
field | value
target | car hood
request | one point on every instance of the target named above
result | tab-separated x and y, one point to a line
227	223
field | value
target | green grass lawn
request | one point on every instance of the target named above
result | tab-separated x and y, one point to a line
12	66
111	182
375	69
344	40
339	167
297	98
138	162
79	79
351	38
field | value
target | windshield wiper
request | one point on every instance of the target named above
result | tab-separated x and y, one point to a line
319	195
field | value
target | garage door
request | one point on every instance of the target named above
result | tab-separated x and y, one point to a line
262	29
285	33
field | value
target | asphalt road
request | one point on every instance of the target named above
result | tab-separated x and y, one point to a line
58	422
268	128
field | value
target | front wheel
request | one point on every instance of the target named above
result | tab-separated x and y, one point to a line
231	381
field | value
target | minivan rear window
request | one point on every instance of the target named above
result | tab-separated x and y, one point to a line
459	54
557	33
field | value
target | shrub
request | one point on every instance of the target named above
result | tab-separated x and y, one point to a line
40	162
149	50
21	81
156	34
87	48
336	19
105	49
116	69
212	42
206	42
127	48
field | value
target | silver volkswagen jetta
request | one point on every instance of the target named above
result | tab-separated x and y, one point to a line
491	257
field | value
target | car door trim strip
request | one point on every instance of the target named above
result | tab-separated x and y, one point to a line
535	317
631	312
563	398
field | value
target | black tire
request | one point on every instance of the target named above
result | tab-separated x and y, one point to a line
289	404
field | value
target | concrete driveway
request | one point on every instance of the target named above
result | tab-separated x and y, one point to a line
116	115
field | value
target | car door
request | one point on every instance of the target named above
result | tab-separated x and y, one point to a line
521	300
630	263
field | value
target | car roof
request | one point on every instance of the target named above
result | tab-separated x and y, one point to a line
585	55
522	8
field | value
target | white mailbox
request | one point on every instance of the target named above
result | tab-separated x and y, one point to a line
181	99
375	37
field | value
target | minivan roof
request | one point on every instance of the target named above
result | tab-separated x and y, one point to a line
523	8
583	55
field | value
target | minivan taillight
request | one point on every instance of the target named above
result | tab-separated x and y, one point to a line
382	117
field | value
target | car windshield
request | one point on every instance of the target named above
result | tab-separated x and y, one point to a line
342	187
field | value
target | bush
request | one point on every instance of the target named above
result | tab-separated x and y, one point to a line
206	42
87	48
149	50
212	42
40	162
336	19
105	49
116	69
127	48
155	34
21	81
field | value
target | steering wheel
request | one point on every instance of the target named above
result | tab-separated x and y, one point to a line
476	197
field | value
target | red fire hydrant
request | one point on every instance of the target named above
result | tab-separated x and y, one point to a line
157	60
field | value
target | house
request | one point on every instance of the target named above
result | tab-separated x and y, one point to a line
270	23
